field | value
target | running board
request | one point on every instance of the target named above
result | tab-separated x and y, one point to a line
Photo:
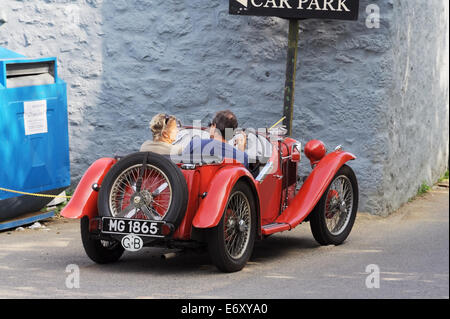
274	228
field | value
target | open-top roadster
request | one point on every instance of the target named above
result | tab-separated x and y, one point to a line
146	199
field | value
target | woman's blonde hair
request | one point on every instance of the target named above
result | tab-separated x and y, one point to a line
158	123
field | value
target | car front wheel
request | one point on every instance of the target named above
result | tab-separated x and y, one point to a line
334	215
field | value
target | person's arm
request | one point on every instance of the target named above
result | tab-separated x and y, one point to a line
241	141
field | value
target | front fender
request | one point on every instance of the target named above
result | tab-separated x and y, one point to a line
313	188
213	205
84	199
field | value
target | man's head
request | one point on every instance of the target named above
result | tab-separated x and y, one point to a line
223	120
164	128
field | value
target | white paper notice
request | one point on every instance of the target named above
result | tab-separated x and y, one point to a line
35	117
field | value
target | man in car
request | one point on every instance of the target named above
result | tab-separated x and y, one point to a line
222	128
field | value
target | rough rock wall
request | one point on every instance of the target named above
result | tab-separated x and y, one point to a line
125	61
343	85
416	119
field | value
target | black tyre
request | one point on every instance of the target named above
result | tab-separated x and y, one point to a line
334	215
158	192
230	243
100	251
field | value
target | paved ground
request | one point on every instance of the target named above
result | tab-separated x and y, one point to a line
410	248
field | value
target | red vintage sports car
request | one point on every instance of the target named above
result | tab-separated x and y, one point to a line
146	199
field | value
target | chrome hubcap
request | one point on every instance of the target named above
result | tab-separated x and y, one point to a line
242	226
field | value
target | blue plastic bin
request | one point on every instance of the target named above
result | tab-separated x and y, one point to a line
34	141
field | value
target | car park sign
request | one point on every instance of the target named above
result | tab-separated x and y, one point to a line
297	9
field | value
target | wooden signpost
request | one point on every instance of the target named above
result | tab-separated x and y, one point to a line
295	10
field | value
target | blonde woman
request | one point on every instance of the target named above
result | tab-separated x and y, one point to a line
165	129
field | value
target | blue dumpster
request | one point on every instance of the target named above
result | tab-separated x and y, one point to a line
34	142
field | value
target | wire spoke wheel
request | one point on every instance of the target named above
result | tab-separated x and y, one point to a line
334	215
153	199
339	205
230	243
237	225
142	185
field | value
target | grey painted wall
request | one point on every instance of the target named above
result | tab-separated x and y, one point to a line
381	92
416	120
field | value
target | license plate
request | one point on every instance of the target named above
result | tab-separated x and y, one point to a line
126	226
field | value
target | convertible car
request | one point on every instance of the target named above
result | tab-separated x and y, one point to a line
145	199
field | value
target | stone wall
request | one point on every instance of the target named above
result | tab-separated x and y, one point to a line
381	92
416	120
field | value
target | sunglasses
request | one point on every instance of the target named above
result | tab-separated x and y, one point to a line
168	117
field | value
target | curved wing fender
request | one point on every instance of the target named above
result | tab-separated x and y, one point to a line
84	199
313	188
213	205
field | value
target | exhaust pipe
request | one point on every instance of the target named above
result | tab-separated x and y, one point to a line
172	254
